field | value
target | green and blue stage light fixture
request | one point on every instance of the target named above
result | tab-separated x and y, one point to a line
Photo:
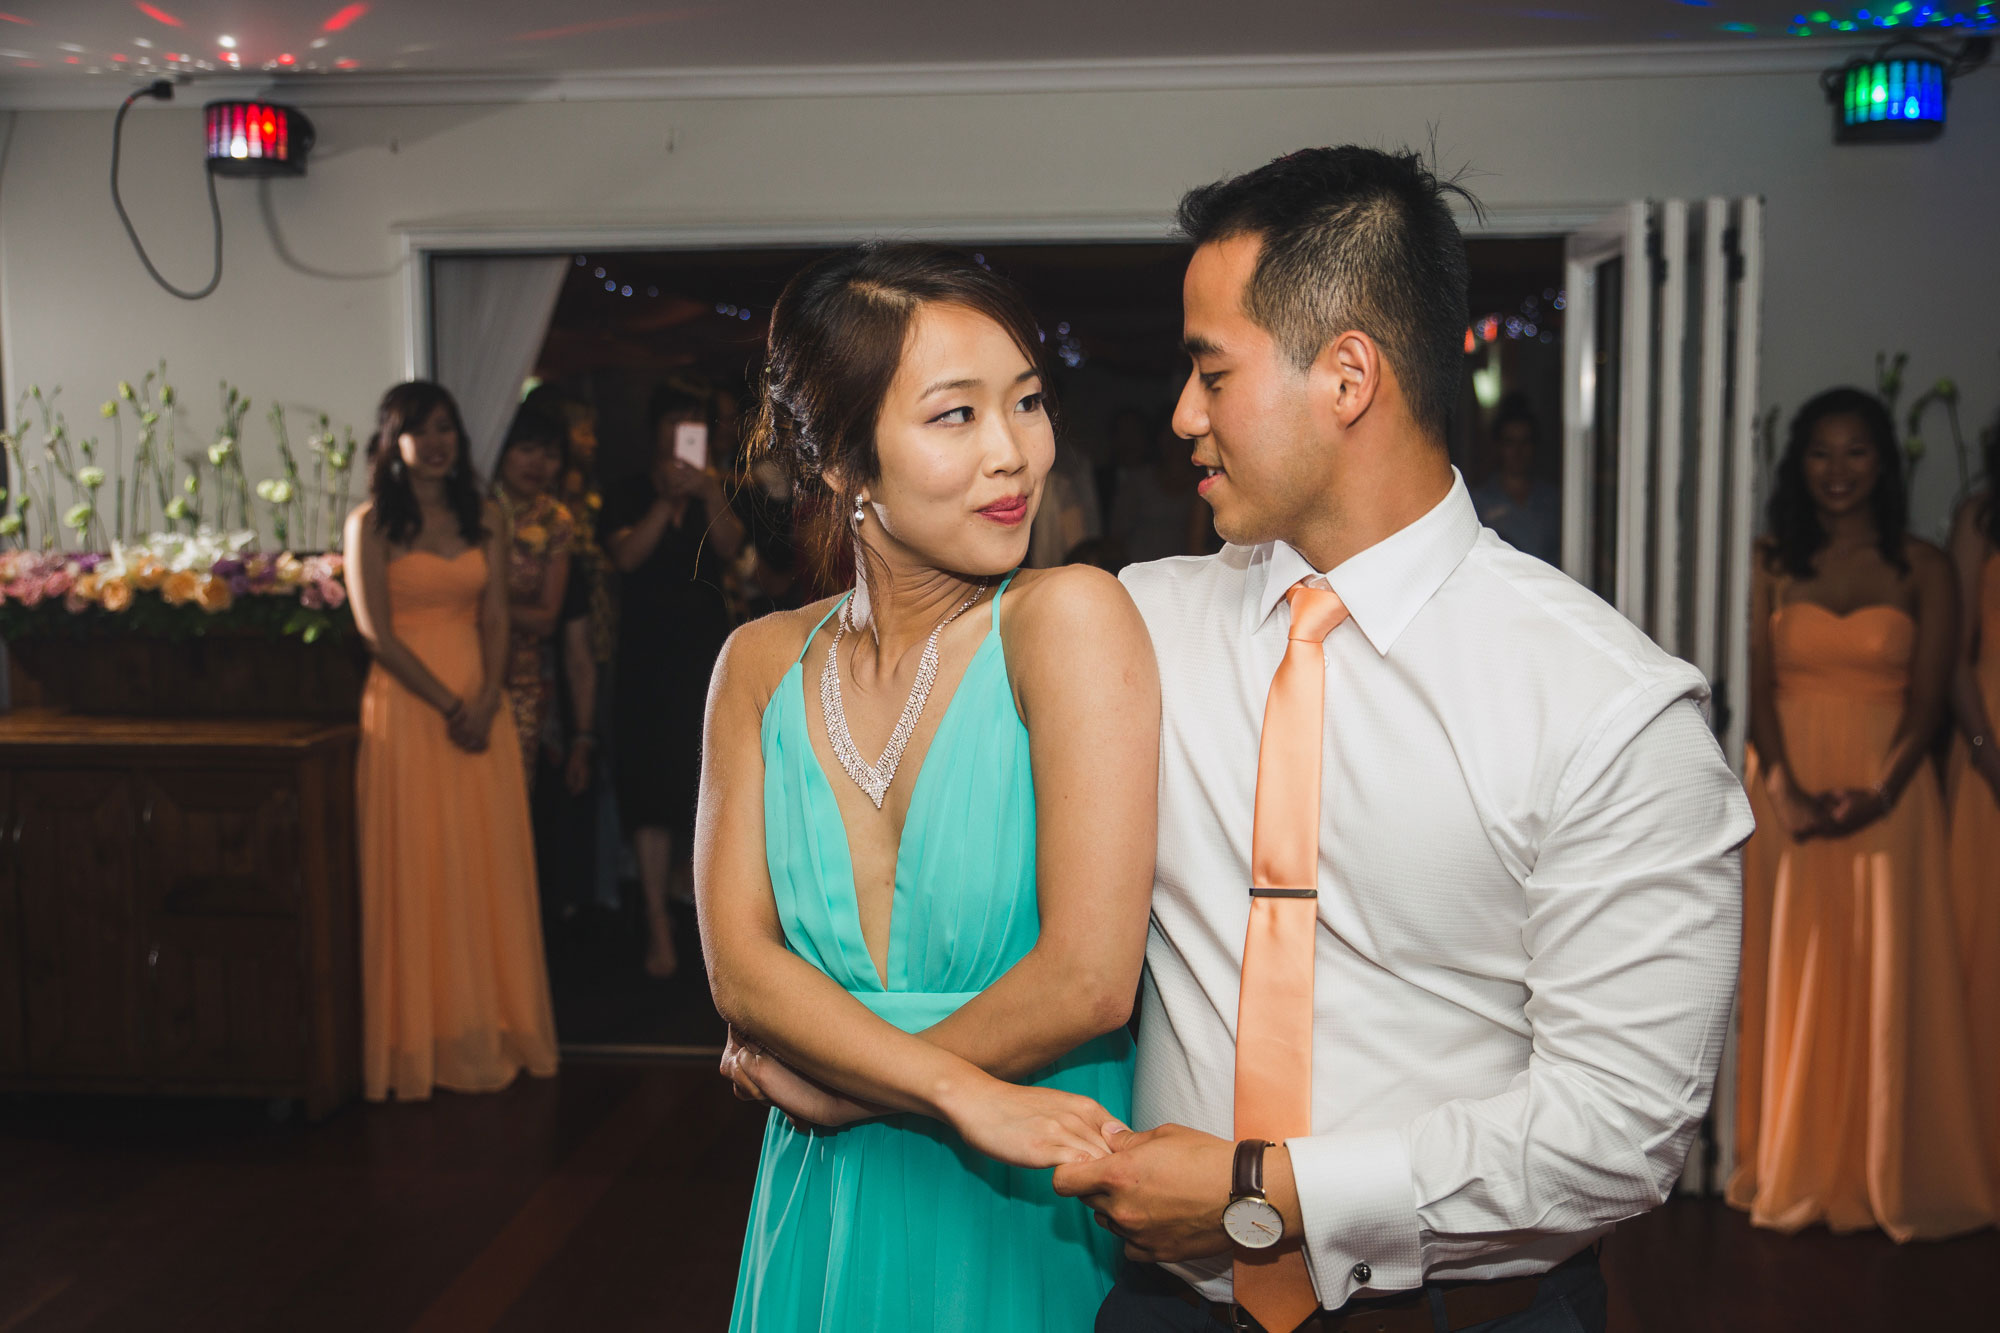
1889	97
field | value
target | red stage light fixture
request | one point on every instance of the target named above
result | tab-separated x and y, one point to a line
257	139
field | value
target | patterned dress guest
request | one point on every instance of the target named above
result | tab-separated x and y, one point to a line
581	491
538	561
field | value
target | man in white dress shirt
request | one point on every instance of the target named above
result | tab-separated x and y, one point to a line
1527	910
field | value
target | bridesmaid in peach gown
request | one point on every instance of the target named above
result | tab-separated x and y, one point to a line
1974	782
1856	1102
455	990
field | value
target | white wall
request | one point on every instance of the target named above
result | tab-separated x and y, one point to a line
1867	249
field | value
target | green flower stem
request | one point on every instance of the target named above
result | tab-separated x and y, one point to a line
1958	444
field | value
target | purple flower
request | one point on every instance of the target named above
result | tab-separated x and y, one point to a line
239	584
86	564
227	569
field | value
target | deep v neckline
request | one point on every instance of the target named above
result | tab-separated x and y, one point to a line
887	975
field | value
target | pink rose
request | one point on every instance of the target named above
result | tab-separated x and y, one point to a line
59	583
31	590
309	597
333	593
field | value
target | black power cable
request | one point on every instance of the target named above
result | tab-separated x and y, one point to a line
164	91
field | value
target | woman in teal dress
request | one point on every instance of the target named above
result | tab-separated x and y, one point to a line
927	958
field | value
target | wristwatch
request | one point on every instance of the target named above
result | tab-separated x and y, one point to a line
1250	1219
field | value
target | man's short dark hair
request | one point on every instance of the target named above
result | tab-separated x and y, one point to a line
1353	238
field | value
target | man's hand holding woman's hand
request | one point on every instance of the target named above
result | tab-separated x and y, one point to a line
1163	1191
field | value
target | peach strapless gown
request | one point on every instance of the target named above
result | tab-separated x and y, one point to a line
1855	1101
454	984
1975	881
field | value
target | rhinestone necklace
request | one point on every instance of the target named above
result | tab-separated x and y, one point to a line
875	779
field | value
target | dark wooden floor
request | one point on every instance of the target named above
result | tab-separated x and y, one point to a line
613	1198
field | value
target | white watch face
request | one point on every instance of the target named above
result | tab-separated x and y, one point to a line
1253	1223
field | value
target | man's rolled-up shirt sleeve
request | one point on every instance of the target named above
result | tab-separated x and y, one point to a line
1633	918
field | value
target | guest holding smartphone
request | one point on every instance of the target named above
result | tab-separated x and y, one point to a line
671	537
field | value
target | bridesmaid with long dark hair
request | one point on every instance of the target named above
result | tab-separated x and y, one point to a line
1975	790
1855	1109
454	987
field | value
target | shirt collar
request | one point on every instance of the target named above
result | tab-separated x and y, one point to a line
1386	585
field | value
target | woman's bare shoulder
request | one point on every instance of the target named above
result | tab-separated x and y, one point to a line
761	651
1067	593
361	525
1067	616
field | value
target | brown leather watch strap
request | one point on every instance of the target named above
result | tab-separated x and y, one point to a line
1246	1177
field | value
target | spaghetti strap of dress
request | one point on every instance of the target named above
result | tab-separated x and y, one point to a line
806	647
998	593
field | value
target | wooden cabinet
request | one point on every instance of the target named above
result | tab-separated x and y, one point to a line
76	871
13	1034
177	907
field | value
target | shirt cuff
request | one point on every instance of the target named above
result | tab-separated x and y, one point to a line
1361	1230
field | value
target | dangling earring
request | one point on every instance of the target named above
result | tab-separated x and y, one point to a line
860	510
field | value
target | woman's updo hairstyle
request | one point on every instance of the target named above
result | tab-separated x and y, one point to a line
837	337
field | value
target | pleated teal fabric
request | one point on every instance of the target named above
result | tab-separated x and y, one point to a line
895	1225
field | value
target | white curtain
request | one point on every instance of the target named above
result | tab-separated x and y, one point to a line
489	315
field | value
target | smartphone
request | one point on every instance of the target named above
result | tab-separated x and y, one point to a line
691	443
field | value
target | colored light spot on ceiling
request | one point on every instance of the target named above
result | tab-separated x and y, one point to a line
16	18
343	17
158	15
1737	27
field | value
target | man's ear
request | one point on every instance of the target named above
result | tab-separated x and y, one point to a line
1345	378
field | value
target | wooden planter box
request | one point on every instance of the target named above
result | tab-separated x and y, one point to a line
224	674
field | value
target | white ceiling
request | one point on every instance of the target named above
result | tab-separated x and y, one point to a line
47	45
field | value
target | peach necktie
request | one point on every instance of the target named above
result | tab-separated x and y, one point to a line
1275	1007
